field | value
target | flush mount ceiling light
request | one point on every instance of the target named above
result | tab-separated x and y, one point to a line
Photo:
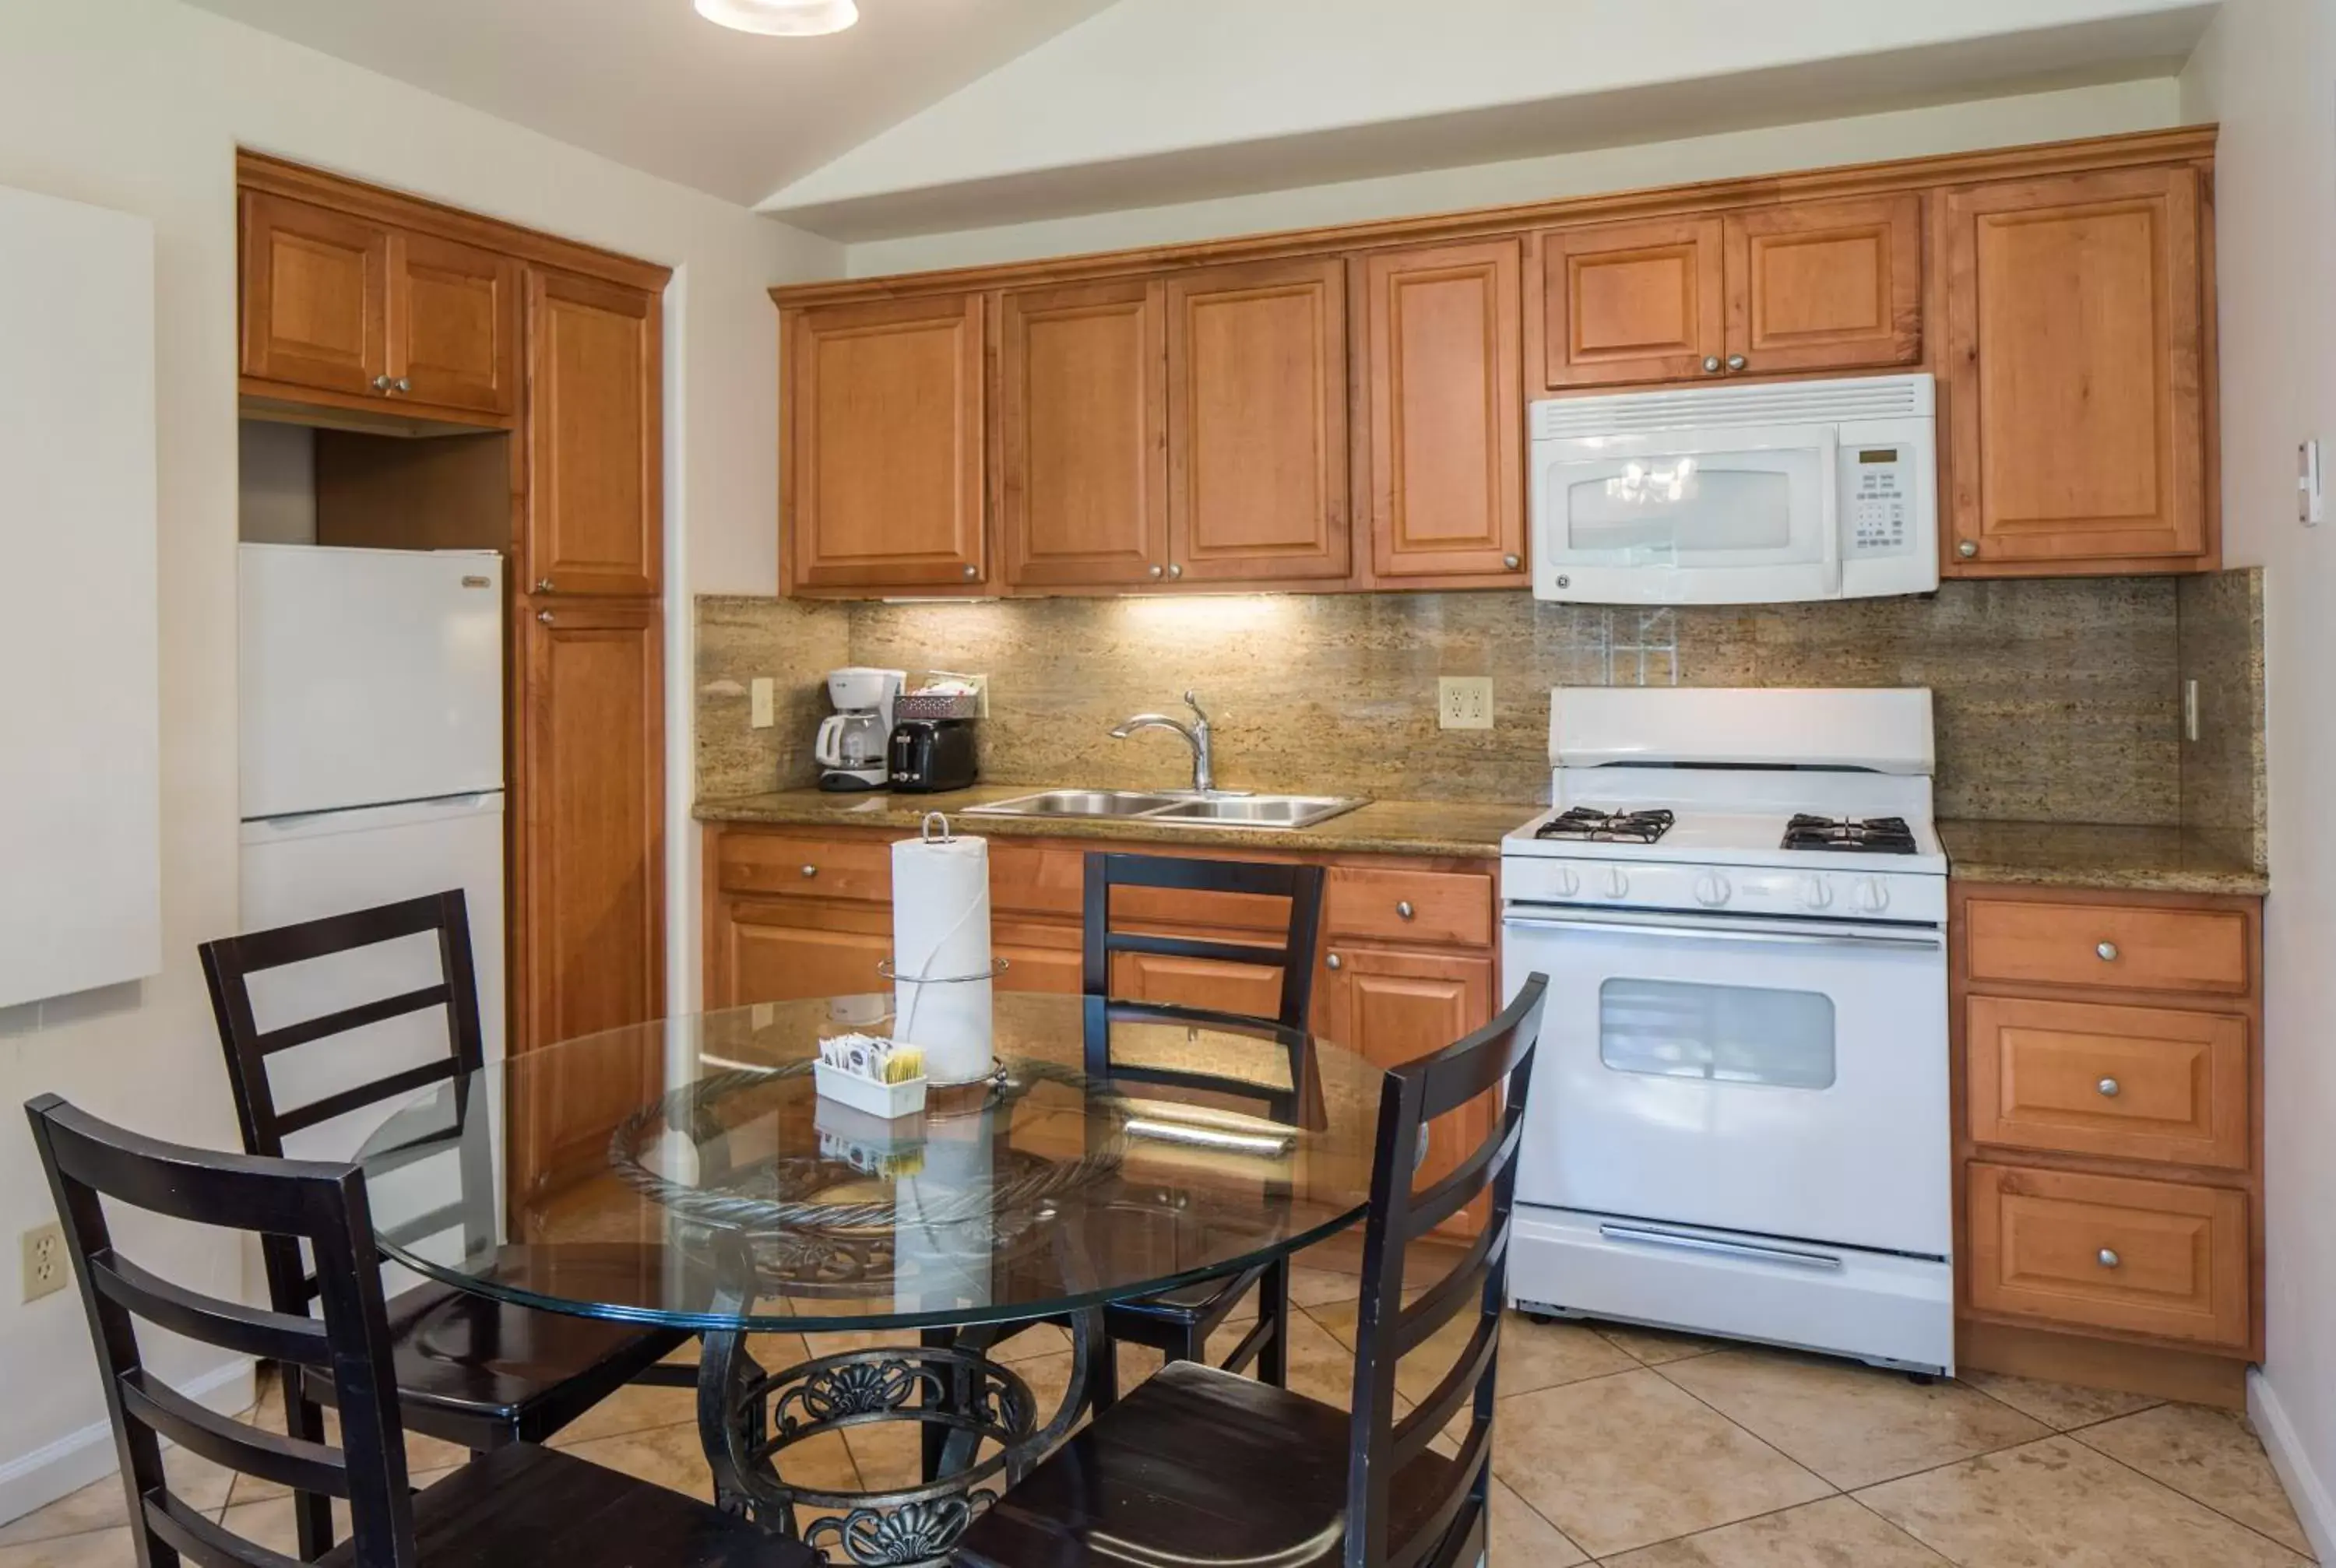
781	18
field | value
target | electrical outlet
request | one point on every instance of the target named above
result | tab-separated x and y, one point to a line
763	701
45	1270
1464	702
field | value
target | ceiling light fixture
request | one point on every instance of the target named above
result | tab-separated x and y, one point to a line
781	18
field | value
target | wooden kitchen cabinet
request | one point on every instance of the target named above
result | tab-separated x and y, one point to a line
1825	285
882	454
591	946
1257	423
1082	435
2076	374
1444	394
454	325
314	296
1624	302
596	490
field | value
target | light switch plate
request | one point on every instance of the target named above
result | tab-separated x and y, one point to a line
45	1268
1464	702
763	703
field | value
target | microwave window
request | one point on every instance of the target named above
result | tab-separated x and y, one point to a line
1665	507
1723	1034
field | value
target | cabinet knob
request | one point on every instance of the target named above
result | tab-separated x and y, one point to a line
971	573
1510	563
2109	1088
1403	909
402	385
544	585
1967	549
811	870
1734	362
2107	952
2109	1260
544	618
1157	571
1335	961
1711	364
1177	570
382	384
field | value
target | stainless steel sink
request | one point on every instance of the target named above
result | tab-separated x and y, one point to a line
1175	810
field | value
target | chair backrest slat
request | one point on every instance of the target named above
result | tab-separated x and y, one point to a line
390	1085
1292	953
1495	1060
322	1205
347	1019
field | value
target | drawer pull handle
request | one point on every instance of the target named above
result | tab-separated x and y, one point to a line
2109	1088
1335	961
1402	907
2109	1260
810	870
2107	951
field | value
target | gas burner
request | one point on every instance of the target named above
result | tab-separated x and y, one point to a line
1595	826
1872	835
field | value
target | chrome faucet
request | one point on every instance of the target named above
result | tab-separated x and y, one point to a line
1196	735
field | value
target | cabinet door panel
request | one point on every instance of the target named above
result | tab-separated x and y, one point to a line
773	962
2073	369
1631	302
2129	1082
1394	1007
882	465
595	504
315	296
1251	990
1038	958
1826	285
591	821
1257	423
453	313
1446	386
1082	439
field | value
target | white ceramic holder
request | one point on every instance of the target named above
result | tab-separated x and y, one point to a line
866	1095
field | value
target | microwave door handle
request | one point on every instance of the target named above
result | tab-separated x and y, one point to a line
1829	504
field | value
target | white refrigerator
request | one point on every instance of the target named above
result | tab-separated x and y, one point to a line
371	770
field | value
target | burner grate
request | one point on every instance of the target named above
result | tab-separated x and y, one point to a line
1588	824
1871	835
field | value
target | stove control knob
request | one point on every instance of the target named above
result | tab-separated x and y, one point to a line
1870	896
1568	880
1618	885
1816	893
1711	889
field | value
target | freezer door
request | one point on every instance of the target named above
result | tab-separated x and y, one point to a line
368	676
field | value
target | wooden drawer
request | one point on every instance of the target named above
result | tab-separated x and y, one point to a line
2159	1258
1034	880
1445	907
2129	1083
780	865
2107	947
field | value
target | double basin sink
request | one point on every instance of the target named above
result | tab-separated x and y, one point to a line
1174	809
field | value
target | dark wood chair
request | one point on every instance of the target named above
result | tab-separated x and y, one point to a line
521	1505
468	1370
1200	1467
1179	1323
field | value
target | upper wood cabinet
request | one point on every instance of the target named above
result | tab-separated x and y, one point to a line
595	502
1443	388
1632	302
1082	434
882	454
335	302
2073	373
1825	285
1257	423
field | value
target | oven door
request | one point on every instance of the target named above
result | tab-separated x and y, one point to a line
1784	1078
1729	516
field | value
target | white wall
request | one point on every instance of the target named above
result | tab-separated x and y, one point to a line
2267	71
2141	105
139	105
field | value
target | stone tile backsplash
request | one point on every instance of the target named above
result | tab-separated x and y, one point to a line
2058	700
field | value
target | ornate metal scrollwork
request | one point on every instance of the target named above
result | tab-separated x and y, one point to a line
913	1533
858	1388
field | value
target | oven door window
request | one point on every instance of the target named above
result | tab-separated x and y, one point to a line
1722	1033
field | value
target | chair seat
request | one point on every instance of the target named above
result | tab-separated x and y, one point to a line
529	1507
1196	1466
1192	1303
481	1374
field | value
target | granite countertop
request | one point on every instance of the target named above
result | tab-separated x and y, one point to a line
1383	827
2092	856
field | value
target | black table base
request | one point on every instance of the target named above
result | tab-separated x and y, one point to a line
949	1385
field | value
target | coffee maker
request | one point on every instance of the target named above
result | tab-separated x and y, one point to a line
850	748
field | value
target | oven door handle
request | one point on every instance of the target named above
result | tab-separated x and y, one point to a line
1648	1236
1913	941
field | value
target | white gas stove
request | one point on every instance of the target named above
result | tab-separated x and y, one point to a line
1739	1119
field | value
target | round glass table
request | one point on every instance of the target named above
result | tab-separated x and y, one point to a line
686	1173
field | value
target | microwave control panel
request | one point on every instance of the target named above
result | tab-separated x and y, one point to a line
1877	500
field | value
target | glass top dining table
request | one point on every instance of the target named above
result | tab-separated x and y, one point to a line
685	1173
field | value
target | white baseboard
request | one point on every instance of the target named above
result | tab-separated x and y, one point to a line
39	1478
2314	1509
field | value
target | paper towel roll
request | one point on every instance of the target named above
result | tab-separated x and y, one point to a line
940	931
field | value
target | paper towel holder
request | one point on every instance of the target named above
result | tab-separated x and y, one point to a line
891	971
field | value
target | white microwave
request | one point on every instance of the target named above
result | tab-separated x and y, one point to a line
1737	494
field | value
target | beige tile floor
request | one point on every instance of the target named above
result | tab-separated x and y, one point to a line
1613	1445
